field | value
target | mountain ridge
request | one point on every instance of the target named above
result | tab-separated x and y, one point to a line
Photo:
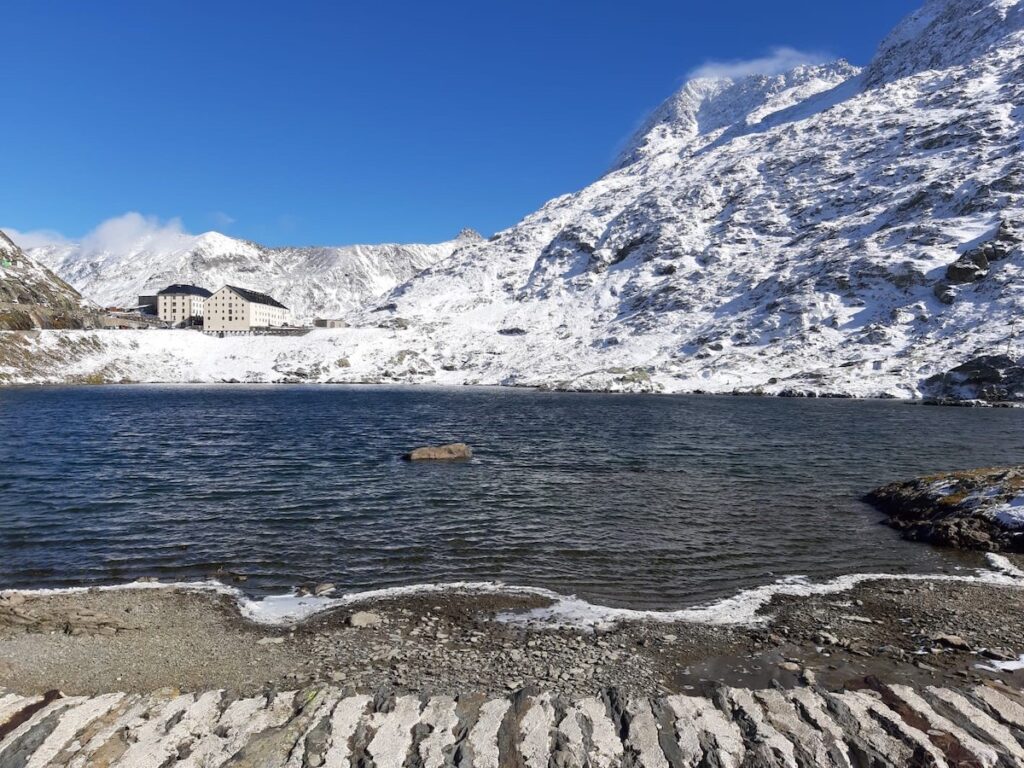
310	280
770	259
825	231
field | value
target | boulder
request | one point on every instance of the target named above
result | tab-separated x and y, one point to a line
944	292
964	271
450	452
952	641
361	619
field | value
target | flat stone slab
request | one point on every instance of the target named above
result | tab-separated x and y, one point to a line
323	726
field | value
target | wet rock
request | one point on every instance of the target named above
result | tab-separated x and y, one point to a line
972	509
450	452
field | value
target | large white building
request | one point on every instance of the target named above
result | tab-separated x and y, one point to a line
239	309
181	304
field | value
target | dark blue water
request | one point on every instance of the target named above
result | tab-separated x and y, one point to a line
625	500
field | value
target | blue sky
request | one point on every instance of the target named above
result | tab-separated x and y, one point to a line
316	122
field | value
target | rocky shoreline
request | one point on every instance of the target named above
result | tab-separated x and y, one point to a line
981	509
914	631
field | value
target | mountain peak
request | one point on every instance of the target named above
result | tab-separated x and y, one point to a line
704	108
215	243
699	111
468	234
942	34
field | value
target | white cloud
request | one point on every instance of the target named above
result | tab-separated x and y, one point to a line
779	60
133	231
35	238
128	232
221	219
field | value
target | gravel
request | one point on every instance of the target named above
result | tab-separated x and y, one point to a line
915	632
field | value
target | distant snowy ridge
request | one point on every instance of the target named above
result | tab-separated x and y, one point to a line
310	281
828	230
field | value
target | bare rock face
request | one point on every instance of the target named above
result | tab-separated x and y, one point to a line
997	378
450	452
981	509
966	271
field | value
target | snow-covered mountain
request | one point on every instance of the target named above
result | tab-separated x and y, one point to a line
827	230
823	230
310	281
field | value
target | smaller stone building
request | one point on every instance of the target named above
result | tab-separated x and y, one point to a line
180	304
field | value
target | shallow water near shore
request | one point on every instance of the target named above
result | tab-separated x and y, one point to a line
629	501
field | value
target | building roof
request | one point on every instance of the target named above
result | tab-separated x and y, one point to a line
256	297
179	289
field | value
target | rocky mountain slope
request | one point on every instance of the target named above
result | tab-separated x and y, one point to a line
824	230
31	296
310	281
829	230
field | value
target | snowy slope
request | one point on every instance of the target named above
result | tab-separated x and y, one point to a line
824	231
310	281
775	233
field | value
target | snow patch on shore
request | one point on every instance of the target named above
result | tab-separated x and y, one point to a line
563	610
1004	666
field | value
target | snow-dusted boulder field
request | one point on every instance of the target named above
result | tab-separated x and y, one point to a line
829	230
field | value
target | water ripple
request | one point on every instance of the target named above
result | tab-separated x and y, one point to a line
646	502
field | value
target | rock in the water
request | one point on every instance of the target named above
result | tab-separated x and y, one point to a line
448	452
362	619
976	509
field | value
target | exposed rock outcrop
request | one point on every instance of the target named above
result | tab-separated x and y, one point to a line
32	296
980	509
994	378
